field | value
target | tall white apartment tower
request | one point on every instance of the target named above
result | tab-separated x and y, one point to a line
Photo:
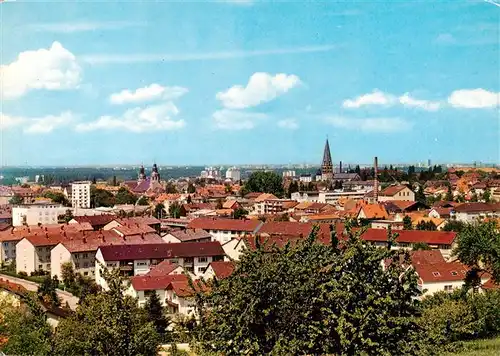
80	194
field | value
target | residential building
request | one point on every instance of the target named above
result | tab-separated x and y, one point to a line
37	213
396	192
80	194
440	213
8	242
97	222
141	287
306	178
469	212
187	235
347	177
271	206
233	174
223	230
438	240
6	194
81	249
372	212
133	260
289	174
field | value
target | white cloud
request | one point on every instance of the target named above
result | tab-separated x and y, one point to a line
387	125
148	93
375	98
52	69
48	123
428	105
36	125
140	119
82	26
186	57
261	88
290	124
236	120
474	99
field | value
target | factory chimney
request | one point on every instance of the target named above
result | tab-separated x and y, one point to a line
340	167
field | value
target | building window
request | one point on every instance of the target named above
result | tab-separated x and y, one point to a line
141	263
77	265
202	259
436	274
201	269
448	288
85	255
454	273
85	273
85	264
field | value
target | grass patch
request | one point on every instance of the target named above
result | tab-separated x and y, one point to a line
489	347
36	279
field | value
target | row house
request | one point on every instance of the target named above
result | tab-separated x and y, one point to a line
438	240
187	235
133	260
469	212
223	230
274	206
134	222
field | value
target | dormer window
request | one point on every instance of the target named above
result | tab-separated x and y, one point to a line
436	274
454	273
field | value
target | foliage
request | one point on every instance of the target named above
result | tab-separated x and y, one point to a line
25	328
479	248
174	210
170	188
421	246
426	225
486	197
454	225
407	224
16	199
107	323
155	313
312	298
239	213
419	194
68	215
282	217
57	197
159	211
293	188
101	197
449	194
265	182
77	284
47	291
124	196
143	201
191	188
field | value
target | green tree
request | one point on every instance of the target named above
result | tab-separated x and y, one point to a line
16	199
265	182
25	328
474	197
155	313
68	215
68	275
159	211
240	213
174	210
419	194
191	189
421	246
170	188
426	225
312	298
486	197
107	323
293	188
449	194
57	197
478	246
47	291
101	197
407	224
454	225
124	196
143	201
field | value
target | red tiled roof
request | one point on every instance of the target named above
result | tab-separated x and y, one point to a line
291	228
222	269
95	220
392	190
96	239
224	224
162	269
141	220
229	204
490	284
148	282
426	257
400	205
197	206
441	272
164	250
133	229
190	234
19	232
476	207
252	195
182	288
374	211
443	212
412	236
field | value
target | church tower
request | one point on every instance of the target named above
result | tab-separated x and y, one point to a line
155	176
142	175
327	165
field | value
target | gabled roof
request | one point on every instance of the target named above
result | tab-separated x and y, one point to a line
264	197
92	241
374	211
148	282
142	220
441	272
443	212
392	190
135	229
401	205
412	236
182	288
206	223
426	257
161	251
222	269
95	220
477	207
229	204
162	269
291	228
252	195
190	234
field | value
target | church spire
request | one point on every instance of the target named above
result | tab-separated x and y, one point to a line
327	165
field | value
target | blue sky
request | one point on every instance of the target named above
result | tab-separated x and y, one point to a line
239	82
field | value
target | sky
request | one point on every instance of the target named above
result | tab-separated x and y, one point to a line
249	82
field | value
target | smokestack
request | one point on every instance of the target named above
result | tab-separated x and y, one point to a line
340	167
375	179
